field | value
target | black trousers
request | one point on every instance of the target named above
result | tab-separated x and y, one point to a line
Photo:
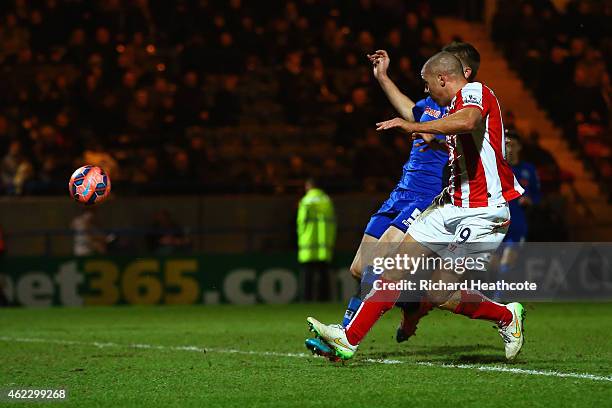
3	299
316	282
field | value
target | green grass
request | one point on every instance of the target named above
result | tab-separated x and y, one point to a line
560	337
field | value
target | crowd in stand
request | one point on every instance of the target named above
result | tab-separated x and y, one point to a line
564	57
228	96
210	95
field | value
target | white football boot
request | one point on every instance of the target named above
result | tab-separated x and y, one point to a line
335	337
512	334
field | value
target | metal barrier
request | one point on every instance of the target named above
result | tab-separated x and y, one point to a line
59	242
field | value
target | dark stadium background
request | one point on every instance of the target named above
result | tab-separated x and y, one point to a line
209	116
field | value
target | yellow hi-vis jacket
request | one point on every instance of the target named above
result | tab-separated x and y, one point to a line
316	227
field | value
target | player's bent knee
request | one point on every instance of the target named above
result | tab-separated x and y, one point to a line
394	275
356	270
368	243
392	235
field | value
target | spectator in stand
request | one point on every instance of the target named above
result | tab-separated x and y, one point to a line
190	99
77	49
591	85
270	177
140	115
356	118
96	155
180	167
372	163
292	87
334	174
551	174
226	107
15	169
13	37
148	172
227	56
406	78
410	31
7	132
202	157
394	44
297	171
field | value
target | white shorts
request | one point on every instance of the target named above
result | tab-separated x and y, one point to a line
453	232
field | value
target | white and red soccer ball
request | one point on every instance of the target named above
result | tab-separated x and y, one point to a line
89	185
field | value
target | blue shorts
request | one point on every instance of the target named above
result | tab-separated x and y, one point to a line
399	210
517	232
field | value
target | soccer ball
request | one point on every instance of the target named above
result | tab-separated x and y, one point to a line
89	185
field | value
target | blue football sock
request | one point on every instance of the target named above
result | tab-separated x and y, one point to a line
351	309
503	270
367	278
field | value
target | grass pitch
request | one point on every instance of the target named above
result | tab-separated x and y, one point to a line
205	356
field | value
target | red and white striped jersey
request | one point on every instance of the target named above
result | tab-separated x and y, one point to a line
480	175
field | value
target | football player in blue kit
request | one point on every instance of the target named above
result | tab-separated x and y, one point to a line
527	176
421	181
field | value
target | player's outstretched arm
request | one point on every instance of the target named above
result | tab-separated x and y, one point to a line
402	104
464	121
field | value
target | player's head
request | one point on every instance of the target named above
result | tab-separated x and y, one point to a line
310	183
513	146
443	77
468	55
88	214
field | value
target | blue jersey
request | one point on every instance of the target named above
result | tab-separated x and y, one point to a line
422	173
421	180
527	177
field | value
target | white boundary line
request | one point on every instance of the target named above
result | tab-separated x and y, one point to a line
491	368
